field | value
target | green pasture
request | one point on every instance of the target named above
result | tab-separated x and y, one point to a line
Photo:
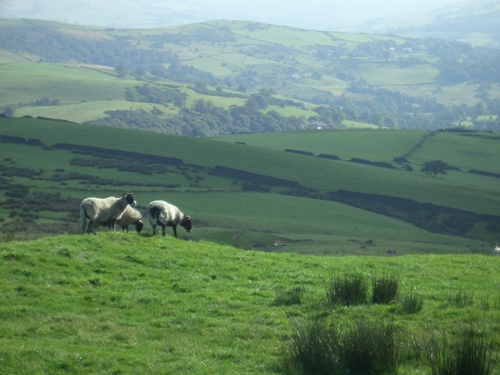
387	75
465	150
221	210
121	303
358	125
458	94
313	226
310	172
288	36
377	145
27	82
310	226
331	84
211	63
7	57
88	111
373	145
53	162
219	101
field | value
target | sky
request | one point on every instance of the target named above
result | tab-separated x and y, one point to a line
309	14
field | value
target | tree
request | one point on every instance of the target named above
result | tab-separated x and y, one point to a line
121	70
9	112
435	167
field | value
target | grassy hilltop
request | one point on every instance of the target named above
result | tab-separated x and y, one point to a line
123	303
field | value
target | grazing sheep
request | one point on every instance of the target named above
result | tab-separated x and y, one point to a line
130	216
167	215
100	211
495	249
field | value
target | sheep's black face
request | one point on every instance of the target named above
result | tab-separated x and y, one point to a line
138	226
187	223
130	198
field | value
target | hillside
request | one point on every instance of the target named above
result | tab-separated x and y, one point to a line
371	199
122	303
226	76
473	22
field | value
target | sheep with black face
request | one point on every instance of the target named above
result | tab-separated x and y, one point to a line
130	216
103	210
164	214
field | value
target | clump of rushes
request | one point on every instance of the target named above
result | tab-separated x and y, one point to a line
410	303
317	347
349	290
384	289
469	353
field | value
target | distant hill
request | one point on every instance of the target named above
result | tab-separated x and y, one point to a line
474	22
226	76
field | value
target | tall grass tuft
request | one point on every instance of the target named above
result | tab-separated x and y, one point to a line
370	348
349	290
360	348
313	349
384	289
468	354
410	303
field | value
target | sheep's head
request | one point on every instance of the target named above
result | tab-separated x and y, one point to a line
187	223
139	225
130	198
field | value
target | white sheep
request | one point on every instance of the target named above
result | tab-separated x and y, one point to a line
103	210
495	249
165	215
130	216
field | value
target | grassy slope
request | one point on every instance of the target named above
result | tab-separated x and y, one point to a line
381	145
317	226
135	303
310	172
254	219
466	152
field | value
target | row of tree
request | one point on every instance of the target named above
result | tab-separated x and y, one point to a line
386	109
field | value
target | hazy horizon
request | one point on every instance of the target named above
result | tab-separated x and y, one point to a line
313	14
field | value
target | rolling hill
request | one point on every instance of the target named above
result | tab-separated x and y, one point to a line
226	76
256	196
473	22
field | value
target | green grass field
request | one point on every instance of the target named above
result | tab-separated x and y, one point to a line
122	303
224	212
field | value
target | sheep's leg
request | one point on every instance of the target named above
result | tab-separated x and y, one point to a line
174	227
163	230
83	218
112	224
89	227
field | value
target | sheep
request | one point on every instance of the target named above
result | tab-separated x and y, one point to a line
165	215
100	211
495	249
130	216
